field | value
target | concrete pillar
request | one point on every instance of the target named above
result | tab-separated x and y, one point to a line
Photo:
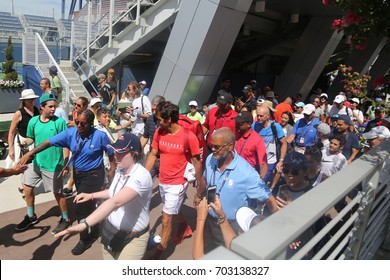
196	51
309	58
360	60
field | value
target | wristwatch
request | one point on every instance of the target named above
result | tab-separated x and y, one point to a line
84	221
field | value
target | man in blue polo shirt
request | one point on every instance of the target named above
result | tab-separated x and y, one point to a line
304	132
224	169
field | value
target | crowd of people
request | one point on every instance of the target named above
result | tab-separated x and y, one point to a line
284	149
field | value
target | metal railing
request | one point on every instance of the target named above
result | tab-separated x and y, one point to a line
35	52
356	231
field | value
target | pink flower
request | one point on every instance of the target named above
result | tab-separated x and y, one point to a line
352	18
338	24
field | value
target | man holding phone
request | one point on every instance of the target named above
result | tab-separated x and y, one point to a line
234	181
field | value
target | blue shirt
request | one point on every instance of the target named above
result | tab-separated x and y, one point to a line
236	185
269	139
87	153
305	133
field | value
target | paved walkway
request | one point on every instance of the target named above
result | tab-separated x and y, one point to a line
38	242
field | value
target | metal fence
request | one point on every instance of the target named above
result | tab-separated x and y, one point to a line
35	52
356	231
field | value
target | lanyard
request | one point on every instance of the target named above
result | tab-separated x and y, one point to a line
243	144
124	184
224	180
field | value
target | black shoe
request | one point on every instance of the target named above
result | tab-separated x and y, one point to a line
62	225
81	247
27	222
67	192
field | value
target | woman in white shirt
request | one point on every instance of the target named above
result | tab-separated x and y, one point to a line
125	211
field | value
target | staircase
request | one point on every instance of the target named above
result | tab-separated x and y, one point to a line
76	87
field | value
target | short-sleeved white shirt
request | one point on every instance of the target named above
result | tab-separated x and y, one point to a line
134	215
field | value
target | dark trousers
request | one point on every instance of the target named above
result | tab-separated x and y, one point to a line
213	235
88	182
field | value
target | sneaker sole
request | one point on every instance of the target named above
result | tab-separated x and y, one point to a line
29	225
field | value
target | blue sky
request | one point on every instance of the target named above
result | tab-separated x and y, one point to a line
37	7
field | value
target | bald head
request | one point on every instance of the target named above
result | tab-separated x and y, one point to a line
226	134
288	100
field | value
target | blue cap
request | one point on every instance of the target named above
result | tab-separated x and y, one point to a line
295	160
126	143
346	119
300	104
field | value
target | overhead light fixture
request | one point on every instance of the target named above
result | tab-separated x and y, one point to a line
259	6
294	18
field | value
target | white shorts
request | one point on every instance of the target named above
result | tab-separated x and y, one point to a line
172	197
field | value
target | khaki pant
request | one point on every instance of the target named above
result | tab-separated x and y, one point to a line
135	250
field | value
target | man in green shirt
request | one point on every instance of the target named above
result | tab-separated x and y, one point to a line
47	166
55	82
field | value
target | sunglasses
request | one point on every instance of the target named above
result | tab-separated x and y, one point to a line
77	105
111	73
217	148
316	101
294	172
82	124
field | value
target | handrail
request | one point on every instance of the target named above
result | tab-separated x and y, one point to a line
61	74
358	236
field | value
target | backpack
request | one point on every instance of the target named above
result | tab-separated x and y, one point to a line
196	128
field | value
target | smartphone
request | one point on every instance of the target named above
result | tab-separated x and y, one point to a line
211	192
283	192
122	110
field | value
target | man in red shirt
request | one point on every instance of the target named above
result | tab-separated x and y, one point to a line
177	146
249	144
221	116
281	108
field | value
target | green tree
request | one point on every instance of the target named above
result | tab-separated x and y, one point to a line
10	73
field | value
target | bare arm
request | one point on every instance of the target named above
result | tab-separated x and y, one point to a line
271	204
124	196
12	132
291	138
283	151
12	171
198	246
201	182
263	170
227	231
151	160
144	141
43	146
353	155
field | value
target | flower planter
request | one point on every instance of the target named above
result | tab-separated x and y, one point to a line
9	99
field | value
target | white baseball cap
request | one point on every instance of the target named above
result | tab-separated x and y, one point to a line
193	103
142	83
378	131
324	94
339	99
94	101
308	109
244	217
356	100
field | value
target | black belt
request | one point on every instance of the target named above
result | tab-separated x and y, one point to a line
135	234
89	171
